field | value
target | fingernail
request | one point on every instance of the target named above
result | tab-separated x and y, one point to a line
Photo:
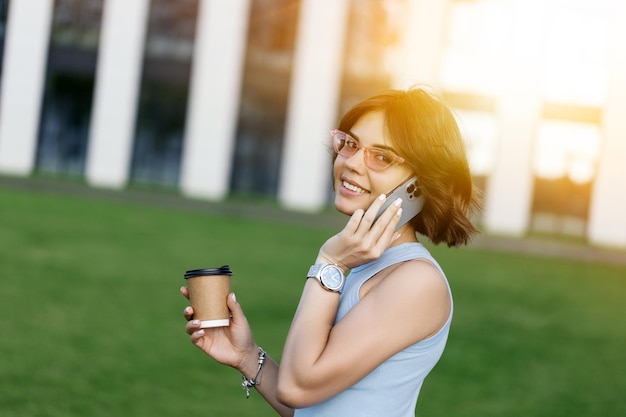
187	310
195	322
399	212
398	202
234	297
382	197
200	332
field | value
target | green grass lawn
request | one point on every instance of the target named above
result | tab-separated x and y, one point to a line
91	317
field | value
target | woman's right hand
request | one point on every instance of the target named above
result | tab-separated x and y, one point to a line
231	345
363	239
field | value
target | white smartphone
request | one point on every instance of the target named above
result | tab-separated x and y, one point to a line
412	201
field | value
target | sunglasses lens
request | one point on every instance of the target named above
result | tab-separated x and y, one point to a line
343	144
378	159
340	142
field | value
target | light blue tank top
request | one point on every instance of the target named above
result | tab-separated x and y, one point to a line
390	390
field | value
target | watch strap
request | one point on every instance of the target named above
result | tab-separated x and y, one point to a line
314	270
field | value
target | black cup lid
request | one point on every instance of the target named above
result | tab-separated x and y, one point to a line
222	270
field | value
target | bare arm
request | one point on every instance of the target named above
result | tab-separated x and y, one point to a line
266	383
234	346
321	359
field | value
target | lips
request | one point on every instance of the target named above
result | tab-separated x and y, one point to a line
353	187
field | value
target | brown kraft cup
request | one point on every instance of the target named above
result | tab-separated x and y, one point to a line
208	291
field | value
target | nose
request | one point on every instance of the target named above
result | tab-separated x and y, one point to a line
356	162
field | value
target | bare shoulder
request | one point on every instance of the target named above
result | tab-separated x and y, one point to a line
419	271
418	275
417	288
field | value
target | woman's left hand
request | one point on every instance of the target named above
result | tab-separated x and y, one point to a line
363	240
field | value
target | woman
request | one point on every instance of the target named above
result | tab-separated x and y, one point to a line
364	348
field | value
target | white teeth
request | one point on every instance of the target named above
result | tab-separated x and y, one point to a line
353	187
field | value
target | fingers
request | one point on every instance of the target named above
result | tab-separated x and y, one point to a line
231	302
370	215
377	204
387	220
354	222
363	238
185	292
391	216
196	337
378	234
235	309
387	209
192	326
188	313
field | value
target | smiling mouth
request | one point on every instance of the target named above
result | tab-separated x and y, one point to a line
353	188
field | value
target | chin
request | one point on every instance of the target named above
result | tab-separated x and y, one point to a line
346	207
341	208
344	211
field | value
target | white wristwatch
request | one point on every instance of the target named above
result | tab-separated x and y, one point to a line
330	277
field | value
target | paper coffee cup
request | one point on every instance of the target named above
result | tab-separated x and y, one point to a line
208	291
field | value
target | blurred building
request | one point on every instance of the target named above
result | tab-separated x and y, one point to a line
216	97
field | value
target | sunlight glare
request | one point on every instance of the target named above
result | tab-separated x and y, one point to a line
567	149
575	53
480	132
550	51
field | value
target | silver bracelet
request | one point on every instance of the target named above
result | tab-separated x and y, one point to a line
249	383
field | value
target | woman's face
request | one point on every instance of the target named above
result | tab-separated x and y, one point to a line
356	185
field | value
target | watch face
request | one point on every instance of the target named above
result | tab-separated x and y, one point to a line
332	277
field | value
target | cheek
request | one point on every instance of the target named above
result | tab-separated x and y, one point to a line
387	186
337	168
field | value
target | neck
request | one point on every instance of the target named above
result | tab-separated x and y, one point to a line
407	234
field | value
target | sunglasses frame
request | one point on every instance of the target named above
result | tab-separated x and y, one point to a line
367	156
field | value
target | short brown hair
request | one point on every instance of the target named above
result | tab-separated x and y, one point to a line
424	132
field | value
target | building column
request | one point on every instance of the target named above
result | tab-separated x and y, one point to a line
23	75
607	218
509	191
120	56
313	103
214	95
422	43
